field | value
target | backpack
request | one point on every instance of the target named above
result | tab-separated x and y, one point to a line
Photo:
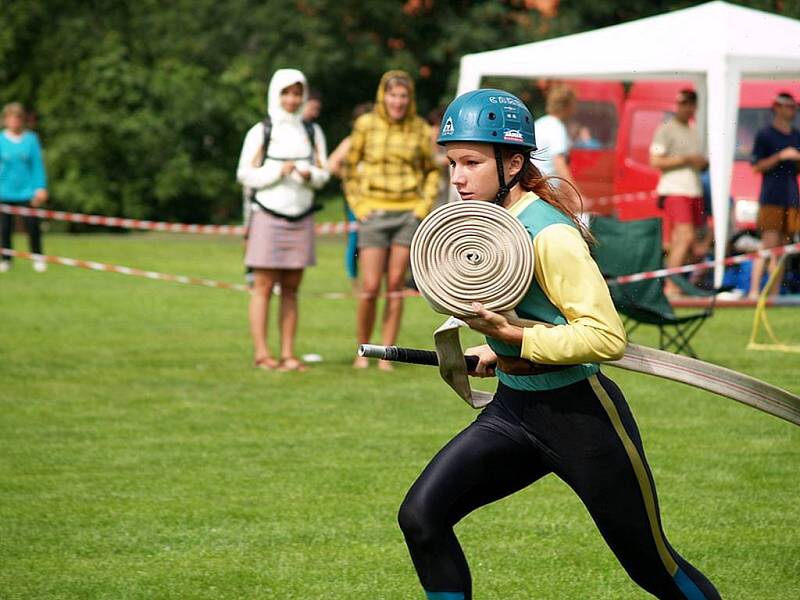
267	123
309	127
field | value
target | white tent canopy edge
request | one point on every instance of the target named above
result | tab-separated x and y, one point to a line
715	45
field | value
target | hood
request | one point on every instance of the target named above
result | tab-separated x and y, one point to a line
282	79
380	109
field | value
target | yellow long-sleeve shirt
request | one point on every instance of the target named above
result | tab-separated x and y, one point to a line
568	292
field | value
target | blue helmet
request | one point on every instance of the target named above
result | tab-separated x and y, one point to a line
488	116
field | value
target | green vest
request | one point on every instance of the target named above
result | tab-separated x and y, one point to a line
535	305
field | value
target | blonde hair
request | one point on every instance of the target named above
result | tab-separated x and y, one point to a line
400	80
14	108
559	98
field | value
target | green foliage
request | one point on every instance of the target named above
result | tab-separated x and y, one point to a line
143	105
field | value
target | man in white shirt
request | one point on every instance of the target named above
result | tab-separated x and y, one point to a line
675	151
552	140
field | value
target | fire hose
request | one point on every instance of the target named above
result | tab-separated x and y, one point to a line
476	251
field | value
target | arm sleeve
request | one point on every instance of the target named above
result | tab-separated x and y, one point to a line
337	157
319	168
570	279
351	179
38	173
249	175
659	145
560	139
760	150
431	175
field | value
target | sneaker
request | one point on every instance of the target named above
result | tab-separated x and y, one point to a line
5	266
39	266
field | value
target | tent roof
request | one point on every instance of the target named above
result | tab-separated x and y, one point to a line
714	44
680	43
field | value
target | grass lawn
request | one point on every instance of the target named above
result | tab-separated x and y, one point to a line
142	457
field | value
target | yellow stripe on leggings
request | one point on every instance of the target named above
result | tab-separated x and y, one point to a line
641	474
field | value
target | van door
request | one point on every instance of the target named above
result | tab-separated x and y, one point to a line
633	172
593	135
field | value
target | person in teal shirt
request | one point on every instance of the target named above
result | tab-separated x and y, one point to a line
23	181
554	412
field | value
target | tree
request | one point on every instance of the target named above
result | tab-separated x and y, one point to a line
143	105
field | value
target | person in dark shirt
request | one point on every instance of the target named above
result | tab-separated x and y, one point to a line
776	155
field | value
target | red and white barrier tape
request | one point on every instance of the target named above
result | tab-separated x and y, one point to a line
340	227
96	266
58	215
320	228
590	203
731	260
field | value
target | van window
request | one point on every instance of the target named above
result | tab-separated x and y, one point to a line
644	123
593	126
751	120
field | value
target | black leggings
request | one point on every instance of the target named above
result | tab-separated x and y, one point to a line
586	435
31	224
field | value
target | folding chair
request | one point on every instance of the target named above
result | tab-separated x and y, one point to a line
625	248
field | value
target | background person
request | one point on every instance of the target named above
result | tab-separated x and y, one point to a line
23	180
440	157
776	155
552	155
280	243
313	106
391	183
675	151
573	422
336	165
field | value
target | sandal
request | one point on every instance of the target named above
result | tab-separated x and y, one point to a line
266	364
292	364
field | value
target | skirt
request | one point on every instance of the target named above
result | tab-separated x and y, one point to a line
275	243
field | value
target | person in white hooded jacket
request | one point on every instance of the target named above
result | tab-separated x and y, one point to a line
280	242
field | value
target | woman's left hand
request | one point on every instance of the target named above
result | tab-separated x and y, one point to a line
39	198
494	325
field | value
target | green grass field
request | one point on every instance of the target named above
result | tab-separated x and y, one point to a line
142	457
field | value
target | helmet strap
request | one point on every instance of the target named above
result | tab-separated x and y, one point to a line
505	187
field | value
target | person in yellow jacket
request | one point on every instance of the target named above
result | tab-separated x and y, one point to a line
391	181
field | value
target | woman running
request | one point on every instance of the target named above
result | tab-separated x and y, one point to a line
571	421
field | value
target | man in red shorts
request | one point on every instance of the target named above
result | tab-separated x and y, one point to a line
676	152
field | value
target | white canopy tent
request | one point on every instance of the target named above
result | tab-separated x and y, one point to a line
714	44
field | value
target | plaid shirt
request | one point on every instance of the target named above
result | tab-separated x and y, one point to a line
390	166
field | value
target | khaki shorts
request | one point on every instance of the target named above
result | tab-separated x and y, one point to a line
384	228
772	217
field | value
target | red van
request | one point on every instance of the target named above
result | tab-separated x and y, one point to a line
614	125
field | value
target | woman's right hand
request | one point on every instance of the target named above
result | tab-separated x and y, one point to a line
287	168
487	360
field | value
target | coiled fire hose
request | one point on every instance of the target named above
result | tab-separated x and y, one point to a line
476	251
472	251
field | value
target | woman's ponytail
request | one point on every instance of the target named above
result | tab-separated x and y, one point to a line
533	181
